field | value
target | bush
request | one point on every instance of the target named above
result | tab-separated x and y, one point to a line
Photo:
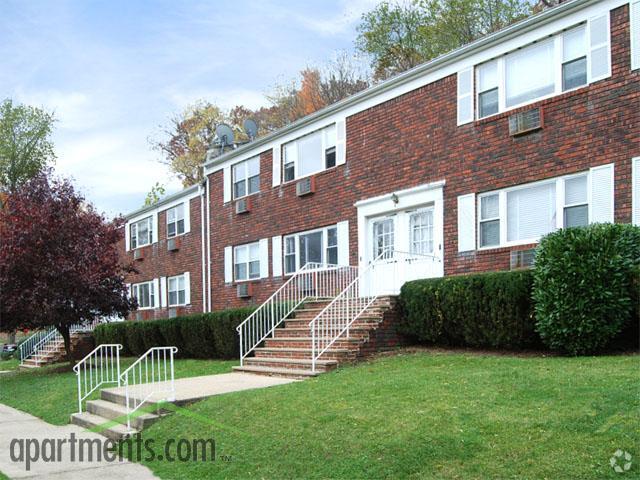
203	335
489	310
584	287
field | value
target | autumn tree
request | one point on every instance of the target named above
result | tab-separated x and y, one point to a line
399	36
59	263
25	143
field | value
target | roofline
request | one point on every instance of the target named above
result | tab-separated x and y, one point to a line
487	41
164	201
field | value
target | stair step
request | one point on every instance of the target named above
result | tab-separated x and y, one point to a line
292	363
277	372
115	431
117	412
304	353
299	332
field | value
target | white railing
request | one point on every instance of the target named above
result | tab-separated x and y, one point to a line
50	339
152	375
314	280
384	276
100	367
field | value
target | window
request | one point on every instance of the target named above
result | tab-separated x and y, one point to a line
574	58
246	260
421	225
141	232
144	294
488	88
177	290
317	246
383	238
576	207
310	154
175	221
529	73
489	220
246	178
522	214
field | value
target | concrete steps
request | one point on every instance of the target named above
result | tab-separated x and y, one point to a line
113	430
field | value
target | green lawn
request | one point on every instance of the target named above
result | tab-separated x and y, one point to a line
423	415
52	395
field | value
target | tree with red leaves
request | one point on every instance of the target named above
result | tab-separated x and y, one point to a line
58	260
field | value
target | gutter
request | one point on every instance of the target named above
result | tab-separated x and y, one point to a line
164	201
507	33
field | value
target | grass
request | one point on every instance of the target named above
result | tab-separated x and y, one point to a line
51	394
422	415
3	476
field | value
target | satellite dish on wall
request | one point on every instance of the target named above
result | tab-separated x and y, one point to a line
251	128
225	135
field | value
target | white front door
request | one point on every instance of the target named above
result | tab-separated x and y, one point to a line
401	245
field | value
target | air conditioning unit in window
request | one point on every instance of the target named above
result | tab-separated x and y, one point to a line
173	244
243	205
243	290
138	254
525	122
306	186
522	259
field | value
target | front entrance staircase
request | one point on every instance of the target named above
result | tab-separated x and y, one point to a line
288	352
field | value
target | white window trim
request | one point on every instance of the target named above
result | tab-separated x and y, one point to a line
135	287
246	178
325	146
152	233
233	263
325	244
184	219
502	199
557	40
176	277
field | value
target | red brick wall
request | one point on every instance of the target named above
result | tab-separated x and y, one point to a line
159	262
595	125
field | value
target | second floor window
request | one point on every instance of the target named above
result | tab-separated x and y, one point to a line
175	221
246	261
310	154
141	232
246	177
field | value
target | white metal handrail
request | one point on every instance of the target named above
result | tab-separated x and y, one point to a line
152	375
29	346
100	367
314	280
389	268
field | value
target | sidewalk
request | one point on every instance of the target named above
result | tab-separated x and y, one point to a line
17	424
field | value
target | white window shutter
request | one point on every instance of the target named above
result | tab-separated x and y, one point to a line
599	49
187	216
343	242
264	258
226	189
228	264
601	205
277	162
634	14
187	288
156	291
127	237
341	142
635	189
276	254
163	292
465	96
467	222
154	223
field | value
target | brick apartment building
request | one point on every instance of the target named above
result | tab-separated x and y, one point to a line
461	164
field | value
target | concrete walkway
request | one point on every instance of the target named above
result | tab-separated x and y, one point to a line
15	424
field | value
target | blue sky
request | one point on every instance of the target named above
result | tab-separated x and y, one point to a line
114	72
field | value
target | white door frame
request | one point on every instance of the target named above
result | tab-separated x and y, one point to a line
400	201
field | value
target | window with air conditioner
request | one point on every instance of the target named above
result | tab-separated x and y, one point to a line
310	154
175	221
316	246
246	262
246	178
176	287
144	294
141	232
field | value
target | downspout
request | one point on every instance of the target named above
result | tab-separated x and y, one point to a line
203	193
208	192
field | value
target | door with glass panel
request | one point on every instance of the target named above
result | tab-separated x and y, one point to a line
382	234
421	249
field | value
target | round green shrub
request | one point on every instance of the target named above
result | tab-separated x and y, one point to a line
583	286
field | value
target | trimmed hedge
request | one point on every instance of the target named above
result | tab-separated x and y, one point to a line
487	310
202	335
584	288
